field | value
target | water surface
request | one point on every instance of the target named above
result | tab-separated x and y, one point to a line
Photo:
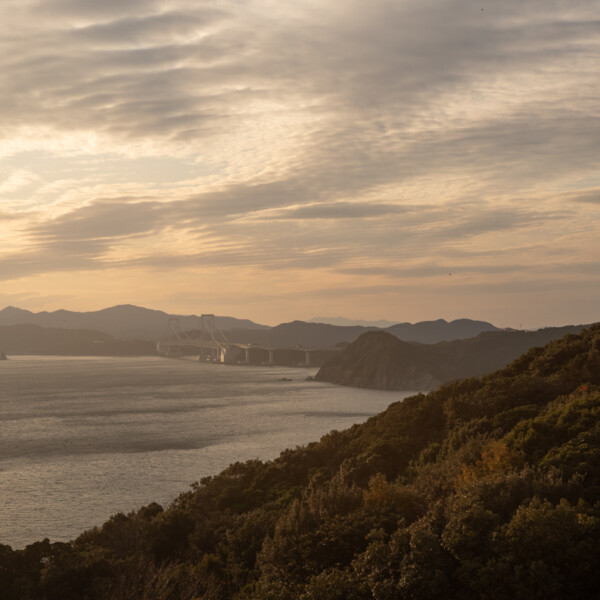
84	438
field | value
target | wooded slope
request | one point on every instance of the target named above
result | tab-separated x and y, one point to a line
484	488
379	360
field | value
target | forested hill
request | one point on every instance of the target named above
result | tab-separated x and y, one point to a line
379	360
484	488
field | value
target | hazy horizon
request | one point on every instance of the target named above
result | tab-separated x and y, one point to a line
388	160
337	320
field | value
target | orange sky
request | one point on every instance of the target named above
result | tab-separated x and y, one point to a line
388	159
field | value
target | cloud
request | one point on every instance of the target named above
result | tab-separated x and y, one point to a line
60	9
390	139
153	29
100	220
7	216
17	181
587	196
438	270
339	210
214	231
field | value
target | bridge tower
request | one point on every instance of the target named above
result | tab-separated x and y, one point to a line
207	331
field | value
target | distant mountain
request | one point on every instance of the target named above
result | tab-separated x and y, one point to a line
426	332
34	339
134	322
379	360
432	332
343	322
298	333
323	335
124	322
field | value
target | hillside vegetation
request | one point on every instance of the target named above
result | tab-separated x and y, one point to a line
484	488
379	360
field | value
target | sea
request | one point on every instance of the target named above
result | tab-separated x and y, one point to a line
83	438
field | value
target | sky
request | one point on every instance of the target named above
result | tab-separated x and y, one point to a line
388	159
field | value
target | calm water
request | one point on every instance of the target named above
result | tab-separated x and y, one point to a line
84	438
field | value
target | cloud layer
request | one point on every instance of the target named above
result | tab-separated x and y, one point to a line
435	156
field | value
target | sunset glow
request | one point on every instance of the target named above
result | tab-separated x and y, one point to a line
275	161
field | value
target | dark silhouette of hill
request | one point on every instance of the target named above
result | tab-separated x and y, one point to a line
483	488
426	332
128	321
134	322
432	332
324	335
33	339
379	360
318	335
124	321
381	324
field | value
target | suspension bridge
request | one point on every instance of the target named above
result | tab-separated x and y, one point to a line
212	345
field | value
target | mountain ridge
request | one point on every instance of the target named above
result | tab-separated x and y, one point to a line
379	360
343	321
127	321
327	335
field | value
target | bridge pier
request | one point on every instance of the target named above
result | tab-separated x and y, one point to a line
209	355
225	352
271	361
